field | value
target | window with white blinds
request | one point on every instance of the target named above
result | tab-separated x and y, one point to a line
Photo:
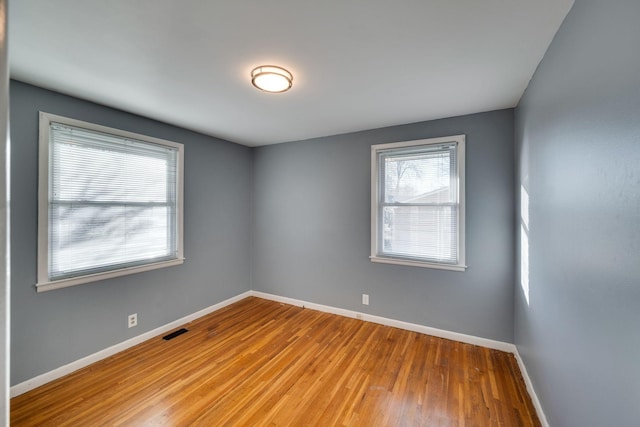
417	212
110	203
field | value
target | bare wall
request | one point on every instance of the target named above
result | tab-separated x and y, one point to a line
4	217
54	328
312	229
578	158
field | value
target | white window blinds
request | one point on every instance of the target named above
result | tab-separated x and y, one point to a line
112	202
418	202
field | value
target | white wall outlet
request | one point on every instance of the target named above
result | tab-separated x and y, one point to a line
365	299
133	320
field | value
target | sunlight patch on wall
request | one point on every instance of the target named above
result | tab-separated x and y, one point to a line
524	242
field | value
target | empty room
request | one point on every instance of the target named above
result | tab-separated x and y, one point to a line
289	213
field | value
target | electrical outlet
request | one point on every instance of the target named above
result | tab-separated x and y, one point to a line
133	320
365	299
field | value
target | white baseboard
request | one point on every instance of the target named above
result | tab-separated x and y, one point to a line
32	383
531	390
42	379
441	333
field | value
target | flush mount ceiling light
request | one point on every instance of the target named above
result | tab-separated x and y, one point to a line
270	78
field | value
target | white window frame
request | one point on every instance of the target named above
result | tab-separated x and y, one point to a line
43	282
376	250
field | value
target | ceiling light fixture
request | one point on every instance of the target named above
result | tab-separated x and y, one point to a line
270	78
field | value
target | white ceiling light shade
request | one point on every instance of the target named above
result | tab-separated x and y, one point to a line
271	78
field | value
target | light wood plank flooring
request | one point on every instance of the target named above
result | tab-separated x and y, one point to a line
263	363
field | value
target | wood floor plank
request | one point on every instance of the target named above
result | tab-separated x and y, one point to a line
263	363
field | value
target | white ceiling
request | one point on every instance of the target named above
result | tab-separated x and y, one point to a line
357	64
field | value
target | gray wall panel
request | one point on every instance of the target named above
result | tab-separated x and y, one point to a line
312	229
578	157
54	328
4	218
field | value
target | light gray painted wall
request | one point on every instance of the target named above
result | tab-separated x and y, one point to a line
578	138
312	216
54	328
4	218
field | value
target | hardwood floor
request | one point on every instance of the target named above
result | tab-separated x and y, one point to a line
263	363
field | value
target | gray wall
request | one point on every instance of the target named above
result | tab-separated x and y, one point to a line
312	232
57	327
4	218
578	156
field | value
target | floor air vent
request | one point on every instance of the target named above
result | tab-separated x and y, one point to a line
175	334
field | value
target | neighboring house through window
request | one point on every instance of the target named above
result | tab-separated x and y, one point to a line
417	211
110	203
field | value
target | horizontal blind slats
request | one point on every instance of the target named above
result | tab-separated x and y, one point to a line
421	232
112	202
418	203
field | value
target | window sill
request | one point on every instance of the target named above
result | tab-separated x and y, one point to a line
412	263
64	283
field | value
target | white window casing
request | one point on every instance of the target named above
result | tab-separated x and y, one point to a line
418	203
110	203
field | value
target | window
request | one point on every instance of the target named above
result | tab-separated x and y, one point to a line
417	203
110	203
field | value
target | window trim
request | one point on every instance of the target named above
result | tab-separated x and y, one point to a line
376	255
43	281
